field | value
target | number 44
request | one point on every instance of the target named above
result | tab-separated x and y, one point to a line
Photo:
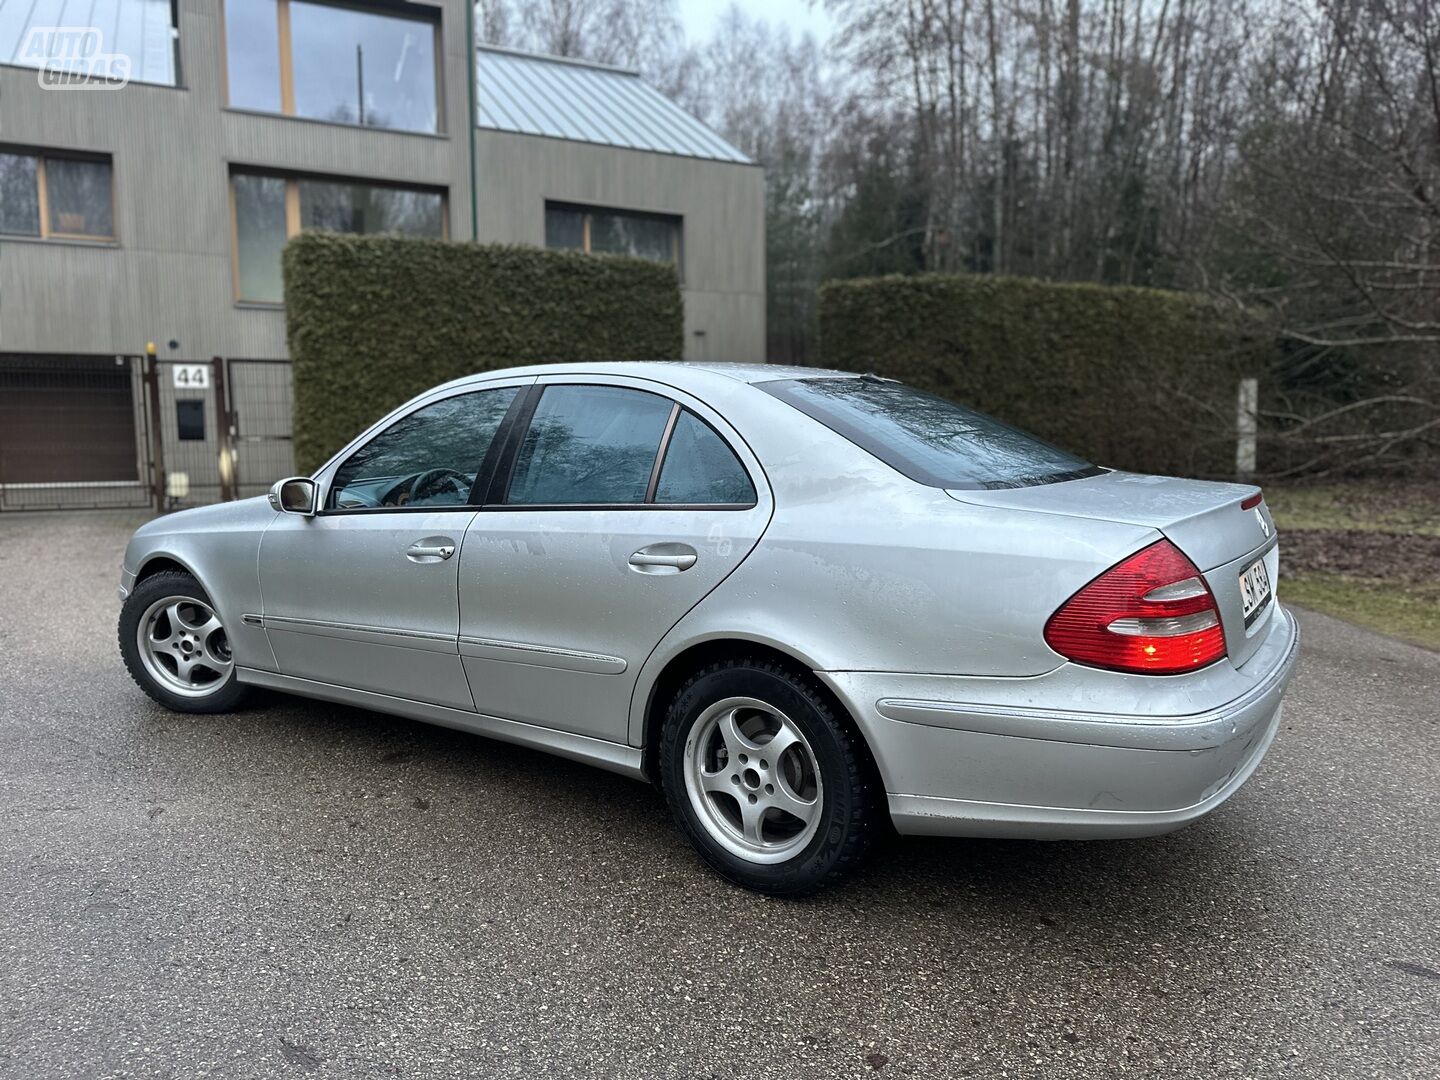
191	376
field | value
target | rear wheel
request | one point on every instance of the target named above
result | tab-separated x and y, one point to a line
176	648
771	786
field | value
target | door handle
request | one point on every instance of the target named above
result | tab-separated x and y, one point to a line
679	562
663	559
424	550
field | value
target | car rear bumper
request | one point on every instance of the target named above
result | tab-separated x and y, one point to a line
956	766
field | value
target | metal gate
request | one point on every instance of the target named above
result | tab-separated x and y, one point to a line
225	428
134	431
262	403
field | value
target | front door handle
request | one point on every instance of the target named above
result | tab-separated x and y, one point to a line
663	559
430	549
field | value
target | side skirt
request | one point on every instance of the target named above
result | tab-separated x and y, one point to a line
625	760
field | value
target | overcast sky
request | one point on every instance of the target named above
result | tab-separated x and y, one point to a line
698	16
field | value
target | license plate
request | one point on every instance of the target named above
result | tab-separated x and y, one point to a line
1254	590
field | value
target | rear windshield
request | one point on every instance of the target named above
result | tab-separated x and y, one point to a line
929	439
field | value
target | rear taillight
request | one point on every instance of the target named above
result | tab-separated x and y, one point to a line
1152	613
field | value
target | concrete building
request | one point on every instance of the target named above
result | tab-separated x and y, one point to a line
156	211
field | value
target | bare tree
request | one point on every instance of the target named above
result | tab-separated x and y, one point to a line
1286	157
638	34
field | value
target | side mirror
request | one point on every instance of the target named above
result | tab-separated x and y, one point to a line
294	495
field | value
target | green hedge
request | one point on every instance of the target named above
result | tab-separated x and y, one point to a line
1128	378
374	320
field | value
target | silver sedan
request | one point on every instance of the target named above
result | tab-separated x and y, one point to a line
807	604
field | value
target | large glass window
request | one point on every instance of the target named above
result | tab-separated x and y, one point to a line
271	209
260	235
19	195
93	42
612	232
252	54
79	197
366	208
329	62
589	445
428	458
700	468
44	195
927	438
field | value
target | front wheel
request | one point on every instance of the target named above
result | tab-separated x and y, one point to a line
176	648
770	785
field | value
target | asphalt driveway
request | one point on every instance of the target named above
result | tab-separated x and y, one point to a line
307	889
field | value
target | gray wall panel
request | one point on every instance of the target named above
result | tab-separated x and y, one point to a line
722	204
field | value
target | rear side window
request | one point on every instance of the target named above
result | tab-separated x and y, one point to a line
700	468
591	445
929	439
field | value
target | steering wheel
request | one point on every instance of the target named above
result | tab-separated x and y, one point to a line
429	483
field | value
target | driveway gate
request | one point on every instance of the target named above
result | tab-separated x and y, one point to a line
132	431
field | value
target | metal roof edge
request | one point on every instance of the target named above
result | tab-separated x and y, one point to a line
550	58
744	161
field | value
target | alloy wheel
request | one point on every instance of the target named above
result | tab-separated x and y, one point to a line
183	646
752	779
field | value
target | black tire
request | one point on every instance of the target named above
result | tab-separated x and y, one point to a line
228	694
850	813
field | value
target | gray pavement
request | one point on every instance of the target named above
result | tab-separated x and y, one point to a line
310	890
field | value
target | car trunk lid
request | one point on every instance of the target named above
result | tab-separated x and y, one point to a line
1203	519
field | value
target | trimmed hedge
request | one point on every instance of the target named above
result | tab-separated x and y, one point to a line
1128	378
374	320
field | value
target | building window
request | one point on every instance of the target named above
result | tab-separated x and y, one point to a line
612	232
270	209
93	42
50	196
327	62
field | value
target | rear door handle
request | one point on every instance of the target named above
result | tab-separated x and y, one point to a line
663	559
426	550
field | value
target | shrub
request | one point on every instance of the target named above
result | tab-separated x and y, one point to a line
375	320
1129	378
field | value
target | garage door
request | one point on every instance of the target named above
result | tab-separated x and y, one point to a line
66	421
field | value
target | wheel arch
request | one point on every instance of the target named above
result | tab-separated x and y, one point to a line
158	563
698	654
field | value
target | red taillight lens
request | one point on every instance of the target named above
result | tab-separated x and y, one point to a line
1152	613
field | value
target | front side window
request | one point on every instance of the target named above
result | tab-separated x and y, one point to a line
700	468
592	445
599	231
428	458
327	62
45	195
927	438
271	209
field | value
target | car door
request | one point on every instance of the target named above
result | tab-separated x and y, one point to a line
622	505
364	594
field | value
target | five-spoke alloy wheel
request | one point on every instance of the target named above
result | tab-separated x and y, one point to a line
176	647
769	781
752	776
183	645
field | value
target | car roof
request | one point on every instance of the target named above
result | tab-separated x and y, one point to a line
678	373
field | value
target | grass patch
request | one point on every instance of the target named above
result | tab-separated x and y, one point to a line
1408	611
1363	550
1367	506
